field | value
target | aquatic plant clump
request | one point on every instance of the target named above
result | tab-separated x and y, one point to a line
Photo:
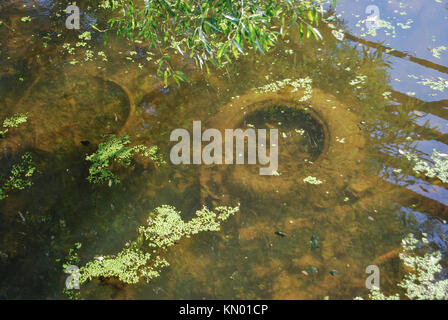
165	227
115	149
20	175
303	83
312	180
437	169
440	84
127	266
422	282
13	122
436	51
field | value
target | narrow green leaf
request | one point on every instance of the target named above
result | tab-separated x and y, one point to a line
230	17
258	46
165	77
237	45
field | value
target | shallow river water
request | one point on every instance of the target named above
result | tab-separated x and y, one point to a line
384	91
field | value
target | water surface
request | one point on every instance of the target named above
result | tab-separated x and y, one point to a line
358	217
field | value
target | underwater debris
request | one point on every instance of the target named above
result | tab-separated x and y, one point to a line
312	270
362	125
280	234
314	242
333	272
418	113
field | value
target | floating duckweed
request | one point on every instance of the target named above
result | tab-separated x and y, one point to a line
13	122
387	95
167	227
440	85
69	49
103	55
20	175
300	131
115	149
89	55
358	80
164	228
436	51
382	24
438	168
127	266
422	282
338	34
303	83
312	180
85	36
407	25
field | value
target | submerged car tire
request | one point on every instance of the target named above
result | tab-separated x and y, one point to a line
340	163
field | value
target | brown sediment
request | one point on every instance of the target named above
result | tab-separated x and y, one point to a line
28	90
253	232
14	145
9	28
287	286
291	224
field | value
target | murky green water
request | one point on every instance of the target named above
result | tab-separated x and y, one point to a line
359	213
